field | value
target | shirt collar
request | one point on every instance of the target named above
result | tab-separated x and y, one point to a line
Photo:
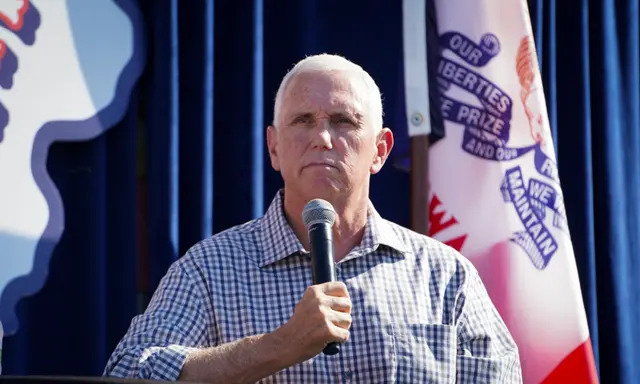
277	237
279	241
378	232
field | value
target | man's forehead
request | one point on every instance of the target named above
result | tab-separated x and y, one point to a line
340	77
337	89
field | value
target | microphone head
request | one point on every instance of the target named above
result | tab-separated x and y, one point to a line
318	211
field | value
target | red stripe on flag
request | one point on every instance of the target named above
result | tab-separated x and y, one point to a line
578	367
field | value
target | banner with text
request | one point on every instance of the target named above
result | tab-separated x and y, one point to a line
495	191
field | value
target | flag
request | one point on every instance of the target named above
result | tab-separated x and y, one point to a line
495	194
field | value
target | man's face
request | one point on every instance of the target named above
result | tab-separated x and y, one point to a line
324	143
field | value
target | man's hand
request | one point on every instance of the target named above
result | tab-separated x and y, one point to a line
323	315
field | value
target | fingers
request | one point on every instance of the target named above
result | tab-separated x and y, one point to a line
339	335
334	288
337	327
340	304
334	295
341	320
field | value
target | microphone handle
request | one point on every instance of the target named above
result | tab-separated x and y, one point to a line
322	263
331	349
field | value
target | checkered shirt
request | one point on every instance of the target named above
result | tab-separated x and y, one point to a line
420	312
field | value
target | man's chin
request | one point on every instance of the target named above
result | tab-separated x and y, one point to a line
325	190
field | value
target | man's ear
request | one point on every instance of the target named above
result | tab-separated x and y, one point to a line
272	143
384	144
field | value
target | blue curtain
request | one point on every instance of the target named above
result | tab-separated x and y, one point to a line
189	160
590	61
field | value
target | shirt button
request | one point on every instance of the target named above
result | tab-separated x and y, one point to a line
346	377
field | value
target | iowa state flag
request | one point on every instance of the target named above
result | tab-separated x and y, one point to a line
494	187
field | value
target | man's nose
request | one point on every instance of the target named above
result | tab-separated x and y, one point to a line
322	134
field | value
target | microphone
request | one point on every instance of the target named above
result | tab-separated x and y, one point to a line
318	216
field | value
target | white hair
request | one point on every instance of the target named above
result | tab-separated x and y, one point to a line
326	63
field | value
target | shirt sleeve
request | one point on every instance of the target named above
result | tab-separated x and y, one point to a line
158	341
486	351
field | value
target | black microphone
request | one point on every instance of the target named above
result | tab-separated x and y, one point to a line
318	216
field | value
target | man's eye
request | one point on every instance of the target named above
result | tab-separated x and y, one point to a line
303	120
343	120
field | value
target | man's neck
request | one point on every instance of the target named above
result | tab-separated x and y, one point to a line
348	230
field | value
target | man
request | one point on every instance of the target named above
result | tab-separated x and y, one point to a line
240	306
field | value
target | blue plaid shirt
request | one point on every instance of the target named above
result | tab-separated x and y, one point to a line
420	312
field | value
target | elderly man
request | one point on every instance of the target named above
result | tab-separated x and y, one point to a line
240	306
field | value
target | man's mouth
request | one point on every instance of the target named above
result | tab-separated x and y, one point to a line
320	164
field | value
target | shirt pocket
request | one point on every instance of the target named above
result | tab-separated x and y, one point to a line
424	353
